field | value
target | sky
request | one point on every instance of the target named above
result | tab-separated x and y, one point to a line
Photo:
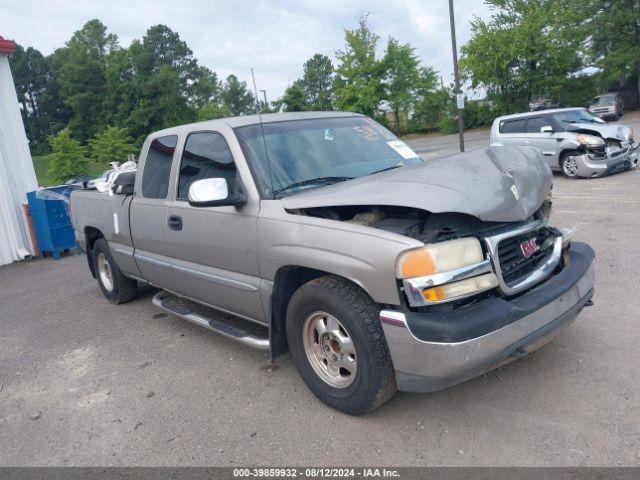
275	37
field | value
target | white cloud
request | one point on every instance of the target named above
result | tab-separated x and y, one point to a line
275	37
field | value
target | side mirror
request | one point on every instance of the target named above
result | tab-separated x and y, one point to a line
214	192
546	129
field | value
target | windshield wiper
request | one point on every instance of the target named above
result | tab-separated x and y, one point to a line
312	181
582	120
386	169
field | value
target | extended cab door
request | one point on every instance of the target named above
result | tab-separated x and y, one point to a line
213	249
148	212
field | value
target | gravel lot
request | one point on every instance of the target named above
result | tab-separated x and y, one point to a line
84	382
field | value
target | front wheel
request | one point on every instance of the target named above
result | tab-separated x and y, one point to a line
114	285
338	346
569	164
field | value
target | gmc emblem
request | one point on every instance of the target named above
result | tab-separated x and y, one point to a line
529	247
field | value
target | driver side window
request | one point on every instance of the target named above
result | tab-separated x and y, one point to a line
536	123
205	155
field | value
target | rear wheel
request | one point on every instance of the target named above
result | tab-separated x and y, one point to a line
569	163
338	346
114	285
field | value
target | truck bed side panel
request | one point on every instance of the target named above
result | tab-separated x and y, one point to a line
110	216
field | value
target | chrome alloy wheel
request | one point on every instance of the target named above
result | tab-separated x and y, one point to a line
570	166
104	270
329	349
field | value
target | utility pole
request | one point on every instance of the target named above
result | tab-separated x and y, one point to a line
459	98
264	93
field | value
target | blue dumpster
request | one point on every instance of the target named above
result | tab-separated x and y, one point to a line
51	220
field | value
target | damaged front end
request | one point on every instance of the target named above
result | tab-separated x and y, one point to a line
465	256
471	212
605	149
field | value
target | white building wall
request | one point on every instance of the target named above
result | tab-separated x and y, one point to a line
17	176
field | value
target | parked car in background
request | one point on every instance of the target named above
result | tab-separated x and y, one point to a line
323	234
609	106
571	140
542	103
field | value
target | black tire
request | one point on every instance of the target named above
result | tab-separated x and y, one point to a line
563	167
122	289
374	382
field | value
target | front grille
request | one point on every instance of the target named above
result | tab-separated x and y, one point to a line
514	264
617	153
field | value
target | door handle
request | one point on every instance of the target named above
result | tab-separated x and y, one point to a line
175	222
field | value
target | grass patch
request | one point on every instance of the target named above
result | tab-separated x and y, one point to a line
41	166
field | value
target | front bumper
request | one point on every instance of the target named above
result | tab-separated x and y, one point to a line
595	165
432	351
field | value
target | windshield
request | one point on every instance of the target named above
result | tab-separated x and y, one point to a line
574	116
606	100
305	154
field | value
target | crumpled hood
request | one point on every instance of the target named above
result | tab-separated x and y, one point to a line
479	183
619	132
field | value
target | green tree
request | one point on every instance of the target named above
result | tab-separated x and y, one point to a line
113	144
213	110
357	85
156	83
79	71
616	39
525	48
317	82
67	158
432	103
237	98
40	104
295	98
205	89
401	79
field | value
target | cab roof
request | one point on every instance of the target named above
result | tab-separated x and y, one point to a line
245	120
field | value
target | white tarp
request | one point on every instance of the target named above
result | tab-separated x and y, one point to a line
17	176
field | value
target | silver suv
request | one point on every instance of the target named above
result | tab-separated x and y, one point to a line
571	140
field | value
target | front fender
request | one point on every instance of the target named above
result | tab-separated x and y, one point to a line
363	255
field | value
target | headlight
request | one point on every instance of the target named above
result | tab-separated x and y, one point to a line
590	141
445	271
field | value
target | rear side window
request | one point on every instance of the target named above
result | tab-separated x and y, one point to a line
536	123
157	167
206	155
513	126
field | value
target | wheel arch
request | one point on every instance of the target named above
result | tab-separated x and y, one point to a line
91	234
287	280
567	148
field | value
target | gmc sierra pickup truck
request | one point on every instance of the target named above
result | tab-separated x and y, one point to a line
324	235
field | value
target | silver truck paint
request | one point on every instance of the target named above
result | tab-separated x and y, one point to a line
229	257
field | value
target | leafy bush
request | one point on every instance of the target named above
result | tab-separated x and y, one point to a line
67	158
113	144
478	113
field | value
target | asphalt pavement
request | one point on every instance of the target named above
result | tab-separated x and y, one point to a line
84	382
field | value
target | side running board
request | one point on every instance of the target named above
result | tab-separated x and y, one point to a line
236	329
